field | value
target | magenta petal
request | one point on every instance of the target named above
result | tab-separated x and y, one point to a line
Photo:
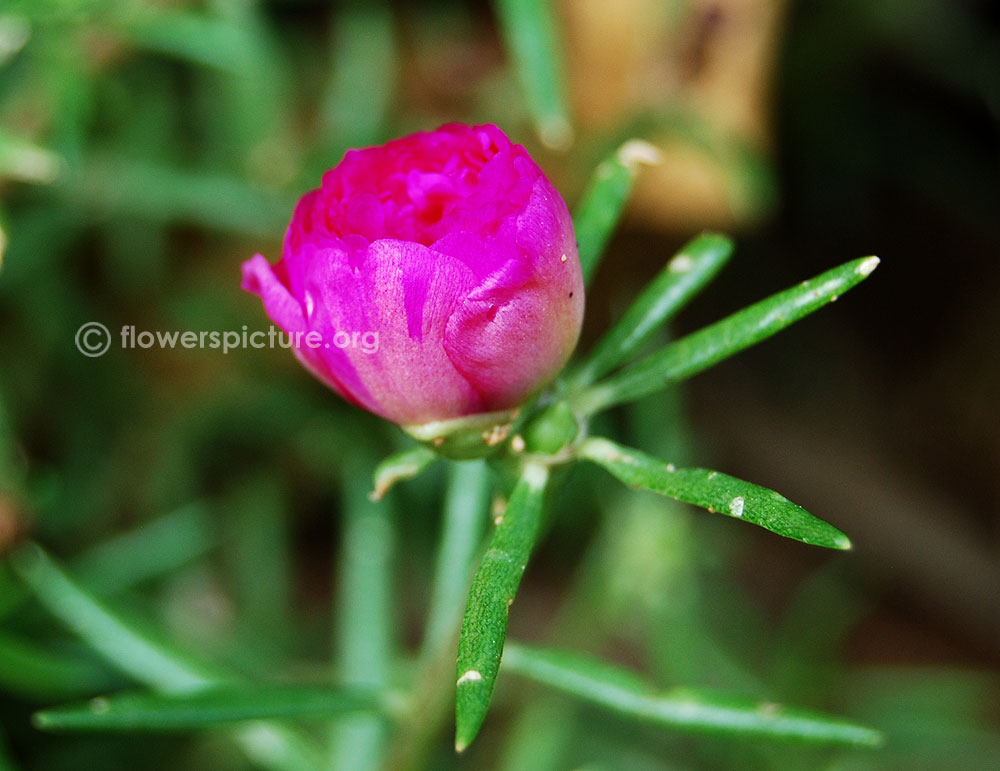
501	346
404	294
283	309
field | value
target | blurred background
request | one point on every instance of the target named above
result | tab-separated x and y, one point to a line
147	147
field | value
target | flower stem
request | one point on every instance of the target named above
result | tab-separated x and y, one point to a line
362	638
464	524
465	517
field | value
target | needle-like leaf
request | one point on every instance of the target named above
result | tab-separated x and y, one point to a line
715	492
682	278
402	465
681	708
602	203
202	709
700	350
493	590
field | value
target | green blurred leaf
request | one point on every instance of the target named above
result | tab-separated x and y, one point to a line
31	671
4	238
156	548
150	661
194	37
542	738
530	33
714	491
24	161
361	87
204	709
936	718
681	708
364	614
252	105
116	640
603	201
258	548
161	193
431	701
493	589
681	279
700	350
402	465
11	471
466	507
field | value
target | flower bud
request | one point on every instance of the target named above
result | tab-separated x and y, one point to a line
438	275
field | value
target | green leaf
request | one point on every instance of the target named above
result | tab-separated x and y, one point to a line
204	709
465	510
156	548
402	465
256	532
700	350
714	491
31	671
116	640
681	708
24	161
364	629
359	93
602	203
680	280
137	187
138	654
193	37
529	30
493	591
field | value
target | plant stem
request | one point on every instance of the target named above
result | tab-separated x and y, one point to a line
465	508
465	516
362	641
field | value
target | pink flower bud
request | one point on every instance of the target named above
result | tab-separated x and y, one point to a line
438	274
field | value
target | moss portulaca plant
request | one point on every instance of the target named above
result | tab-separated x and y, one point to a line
453	249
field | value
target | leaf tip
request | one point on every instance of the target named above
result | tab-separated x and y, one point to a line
470	710
842	542
867	266
638	152
463	738
717	239
556	132
876	739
